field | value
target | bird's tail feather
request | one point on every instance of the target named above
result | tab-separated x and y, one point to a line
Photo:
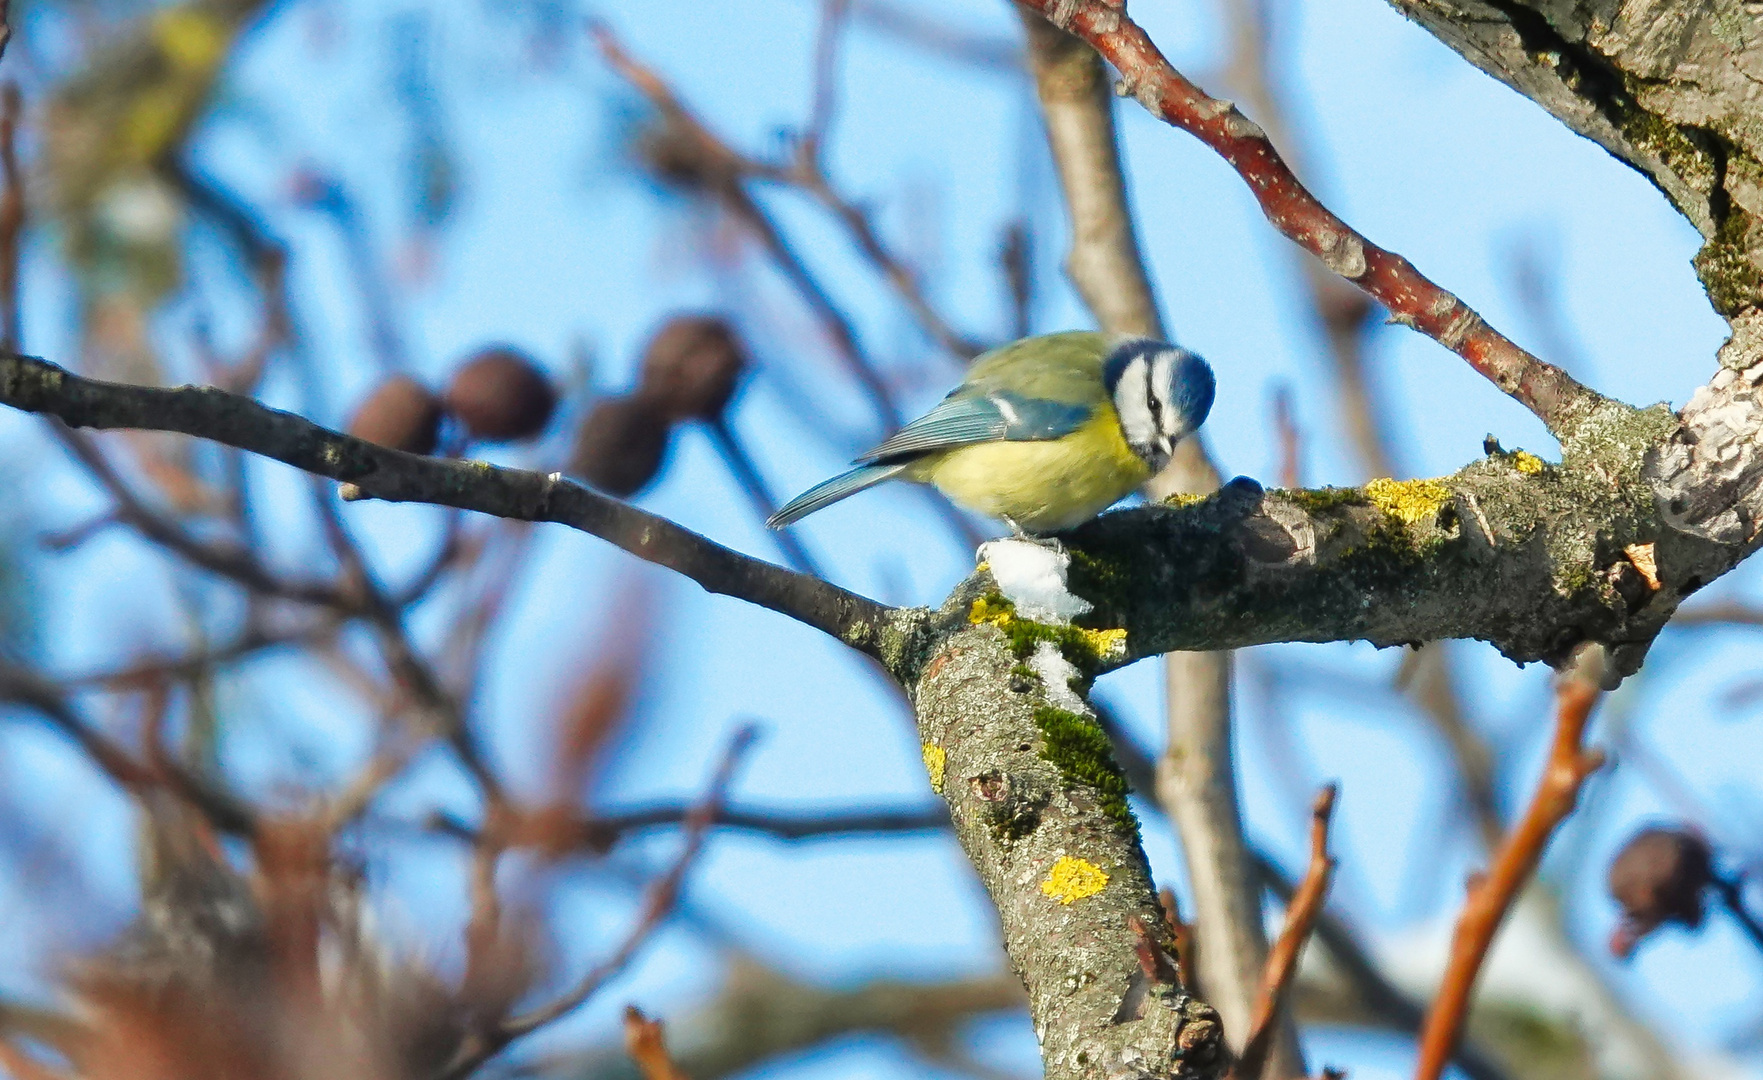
825	494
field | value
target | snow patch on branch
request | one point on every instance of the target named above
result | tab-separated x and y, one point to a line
1056	674
1033	577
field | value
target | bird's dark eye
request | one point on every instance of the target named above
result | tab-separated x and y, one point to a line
1156	406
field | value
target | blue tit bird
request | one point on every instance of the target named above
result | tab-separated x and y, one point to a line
1045	433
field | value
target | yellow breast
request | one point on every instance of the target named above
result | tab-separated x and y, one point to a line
1042	486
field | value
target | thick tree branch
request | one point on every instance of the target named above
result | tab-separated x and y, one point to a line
1668	88
38	386
1040	808
1411	298
1196	782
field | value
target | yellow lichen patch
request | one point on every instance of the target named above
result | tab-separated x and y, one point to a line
982	568
1413	501
1527	463
1107	643
983	611
1073	879
1183	498
936	761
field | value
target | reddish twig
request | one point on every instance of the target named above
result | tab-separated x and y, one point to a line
11	212
1411	298
647	1045
1282	960
1291	439
1491	895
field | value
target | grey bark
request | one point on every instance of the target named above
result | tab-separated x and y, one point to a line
1671	87
1198	784
1063	867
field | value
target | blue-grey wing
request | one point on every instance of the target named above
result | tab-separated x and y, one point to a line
964	418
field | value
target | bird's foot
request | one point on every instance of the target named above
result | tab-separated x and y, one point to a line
1017	532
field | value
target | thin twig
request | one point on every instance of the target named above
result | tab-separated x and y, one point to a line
1489	897
599	831
1367	982
1732	898
1282	960
252	641
11	212
974	49
658	901
740	463
38	386
22	686
1412	299
228	560
724	170
834	15
646	1043
413	672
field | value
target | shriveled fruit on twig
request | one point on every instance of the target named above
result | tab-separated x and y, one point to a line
1661	875
621	444
501	395
401	413
692	366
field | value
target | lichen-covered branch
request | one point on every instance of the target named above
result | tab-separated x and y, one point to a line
1644	508
1040	808
1196	781
1411	298
1670	89
38	386
1534	557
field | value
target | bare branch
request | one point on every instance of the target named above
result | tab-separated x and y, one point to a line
658	902
1390	279
1078	109
38	386
1282	962
1568	766
600	830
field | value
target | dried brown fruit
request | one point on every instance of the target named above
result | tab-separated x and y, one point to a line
501	395
692	366
621	444
1661	875
401	413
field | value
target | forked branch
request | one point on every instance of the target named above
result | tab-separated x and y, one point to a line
1391	280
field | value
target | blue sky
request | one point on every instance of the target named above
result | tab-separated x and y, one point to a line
557	245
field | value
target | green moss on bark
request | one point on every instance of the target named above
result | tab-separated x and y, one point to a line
1079	748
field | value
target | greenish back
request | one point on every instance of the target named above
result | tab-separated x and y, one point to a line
1059	367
